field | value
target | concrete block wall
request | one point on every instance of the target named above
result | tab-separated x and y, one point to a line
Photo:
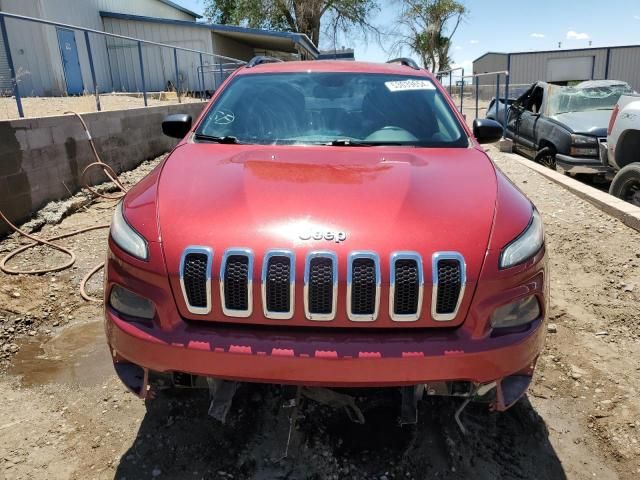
41	159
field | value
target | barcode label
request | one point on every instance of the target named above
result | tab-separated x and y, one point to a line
403	85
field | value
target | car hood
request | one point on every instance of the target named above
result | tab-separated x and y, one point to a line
592	122
383	199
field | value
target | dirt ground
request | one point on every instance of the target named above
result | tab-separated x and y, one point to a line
50	106
64	414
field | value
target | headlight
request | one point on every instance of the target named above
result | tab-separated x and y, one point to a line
132	305
583	140
517	313
526	245
126	237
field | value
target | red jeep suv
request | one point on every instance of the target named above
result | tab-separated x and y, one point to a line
329	223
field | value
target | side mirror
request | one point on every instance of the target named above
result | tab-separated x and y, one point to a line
486	130
176	125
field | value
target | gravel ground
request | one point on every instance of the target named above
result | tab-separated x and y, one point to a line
65	415
50	106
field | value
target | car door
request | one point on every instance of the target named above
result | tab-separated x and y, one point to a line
528	118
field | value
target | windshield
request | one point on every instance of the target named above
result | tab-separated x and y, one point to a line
333	109
577	99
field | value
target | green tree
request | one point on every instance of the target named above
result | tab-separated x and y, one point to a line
426	27
302	16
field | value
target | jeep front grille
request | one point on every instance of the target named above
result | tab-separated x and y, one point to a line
278	284
363	287
321	285
195	278
406	287
449	280
236	273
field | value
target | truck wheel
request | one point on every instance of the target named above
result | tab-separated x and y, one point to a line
626	184
546	157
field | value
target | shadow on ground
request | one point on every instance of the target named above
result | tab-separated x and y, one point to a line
178	440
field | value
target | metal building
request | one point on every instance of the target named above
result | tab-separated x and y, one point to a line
562	66
53	60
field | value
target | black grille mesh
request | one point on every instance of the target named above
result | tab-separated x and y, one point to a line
321	285
449	285
195	279
363	286
236	277
405	299
278	284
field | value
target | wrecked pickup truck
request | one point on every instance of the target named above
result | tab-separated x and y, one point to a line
563	127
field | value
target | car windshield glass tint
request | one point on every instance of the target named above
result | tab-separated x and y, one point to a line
576	99
347	109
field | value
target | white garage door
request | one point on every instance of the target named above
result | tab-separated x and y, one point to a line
567	69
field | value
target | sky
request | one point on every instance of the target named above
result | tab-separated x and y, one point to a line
516	25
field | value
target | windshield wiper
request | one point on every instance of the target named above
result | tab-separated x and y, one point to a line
211	138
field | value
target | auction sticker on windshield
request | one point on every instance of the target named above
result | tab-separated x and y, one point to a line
403	85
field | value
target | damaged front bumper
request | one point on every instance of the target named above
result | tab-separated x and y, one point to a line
449	362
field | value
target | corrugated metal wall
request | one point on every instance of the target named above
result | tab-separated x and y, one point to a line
532	67
5	72
158	62
624	64
35	48
492	62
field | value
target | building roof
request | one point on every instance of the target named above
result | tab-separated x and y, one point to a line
181	8
264	39
558	50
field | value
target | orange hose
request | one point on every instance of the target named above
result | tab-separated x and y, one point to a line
113	176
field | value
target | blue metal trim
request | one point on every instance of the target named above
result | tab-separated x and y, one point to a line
14	80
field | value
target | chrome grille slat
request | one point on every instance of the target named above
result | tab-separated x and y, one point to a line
278	284
406	286
195	278
321	285
448	270
236	282
363	286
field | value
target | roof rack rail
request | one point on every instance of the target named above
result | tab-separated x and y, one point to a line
260	59
407	62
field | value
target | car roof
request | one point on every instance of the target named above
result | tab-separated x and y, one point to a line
328	66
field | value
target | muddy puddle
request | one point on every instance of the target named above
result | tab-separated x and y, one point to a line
78	355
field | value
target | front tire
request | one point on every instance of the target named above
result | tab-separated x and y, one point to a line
626	184
546	157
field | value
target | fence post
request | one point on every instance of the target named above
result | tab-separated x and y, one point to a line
144	86
16	91
461	89
506	103
450	91
497	103
201	80
221	74
477	81
92	68
175	61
